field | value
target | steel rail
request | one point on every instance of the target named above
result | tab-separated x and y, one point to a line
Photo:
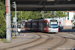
58	44
23	43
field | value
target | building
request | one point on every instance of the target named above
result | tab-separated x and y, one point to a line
71	15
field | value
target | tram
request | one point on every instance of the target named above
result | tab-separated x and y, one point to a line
43	25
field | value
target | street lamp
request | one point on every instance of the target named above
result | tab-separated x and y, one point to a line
14	6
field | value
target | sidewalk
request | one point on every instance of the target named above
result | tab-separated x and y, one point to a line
22	38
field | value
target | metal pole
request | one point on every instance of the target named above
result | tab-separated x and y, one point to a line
21	13
8	21
42	14
21	21
21	18
54	12
16	16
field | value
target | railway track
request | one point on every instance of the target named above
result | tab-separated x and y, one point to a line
23	43
68	36
60	43
69	45
29	44
50	44
42	41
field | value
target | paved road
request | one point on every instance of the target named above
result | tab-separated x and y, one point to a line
30	40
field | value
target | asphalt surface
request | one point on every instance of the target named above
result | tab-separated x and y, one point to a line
33	40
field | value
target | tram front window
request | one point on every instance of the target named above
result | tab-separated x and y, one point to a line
54	25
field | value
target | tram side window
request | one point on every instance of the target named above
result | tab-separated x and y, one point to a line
35	25
45	24
26	25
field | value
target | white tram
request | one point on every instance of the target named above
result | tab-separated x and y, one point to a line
43	25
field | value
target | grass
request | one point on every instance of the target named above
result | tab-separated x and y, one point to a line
5	41
14	37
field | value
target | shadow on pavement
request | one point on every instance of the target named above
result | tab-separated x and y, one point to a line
67	30
64	30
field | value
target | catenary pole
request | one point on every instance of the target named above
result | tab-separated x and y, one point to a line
8	21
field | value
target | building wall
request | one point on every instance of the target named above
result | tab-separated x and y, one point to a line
68	23
71	15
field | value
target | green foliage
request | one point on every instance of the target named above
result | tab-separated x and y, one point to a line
2	20
74	17
74	23
2	7
50	14
35	15
4	40
25	15
12	15
61	14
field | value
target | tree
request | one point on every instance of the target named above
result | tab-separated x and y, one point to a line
50	14
61	14
37	14
2	7
12	15
74	17
2	20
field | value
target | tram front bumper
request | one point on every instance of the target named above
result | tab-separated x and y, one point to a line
53	30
